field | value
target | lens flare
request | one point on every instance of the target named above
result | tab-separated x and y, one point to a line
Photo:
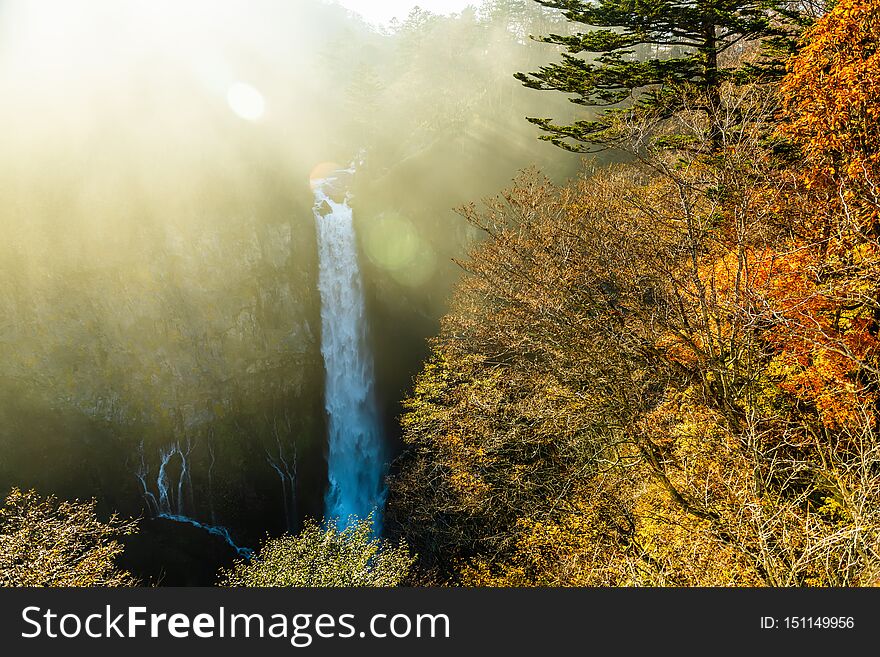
321	171
245	101
393	243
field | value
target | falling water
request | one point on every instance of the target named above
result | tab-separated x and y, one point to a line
286	471
171	501
355	460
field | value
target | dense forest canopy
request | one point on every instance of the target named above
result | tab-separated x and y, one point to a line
666	372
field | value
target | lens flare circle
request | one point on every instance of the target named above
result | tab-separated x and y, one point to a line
246	101
321	172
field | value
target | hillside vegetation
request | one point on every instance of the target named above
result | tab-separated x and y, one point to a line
666	372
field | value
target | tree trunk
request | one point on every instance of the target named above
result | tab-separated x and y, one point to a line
711	78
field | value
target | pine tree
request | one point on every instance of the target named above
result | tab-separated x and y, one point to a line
651	51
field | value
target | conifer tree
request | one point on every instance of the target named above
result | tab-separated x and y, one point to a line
650	51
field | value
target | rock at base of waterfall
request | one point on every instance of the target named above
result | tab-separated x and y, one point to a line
337	186
324	209
168	553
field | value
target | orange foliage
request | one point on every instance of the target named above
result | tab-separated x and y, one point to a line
825	295
832	91
823	340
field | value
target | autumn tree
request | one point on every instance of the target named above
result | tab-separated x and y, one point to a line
538	416
832	100
826	309
324	556
666	373
657	375
47	542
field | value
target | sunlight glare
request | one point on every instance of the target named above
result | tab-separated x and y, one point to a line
245	101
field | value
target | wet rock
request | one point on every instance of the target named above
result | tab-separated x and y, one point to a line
324	209
168	553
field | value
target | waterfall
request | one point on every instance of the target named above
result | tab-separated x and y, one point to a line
171	501
142	474
356	461
286	471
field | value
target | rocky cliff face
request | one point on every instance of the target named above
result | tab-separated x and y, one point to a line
201	333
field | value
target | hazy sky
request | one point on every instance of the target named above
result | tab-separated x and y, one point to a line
382	11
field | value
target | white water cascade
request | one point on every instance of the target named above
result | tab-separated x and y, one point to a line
356	459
